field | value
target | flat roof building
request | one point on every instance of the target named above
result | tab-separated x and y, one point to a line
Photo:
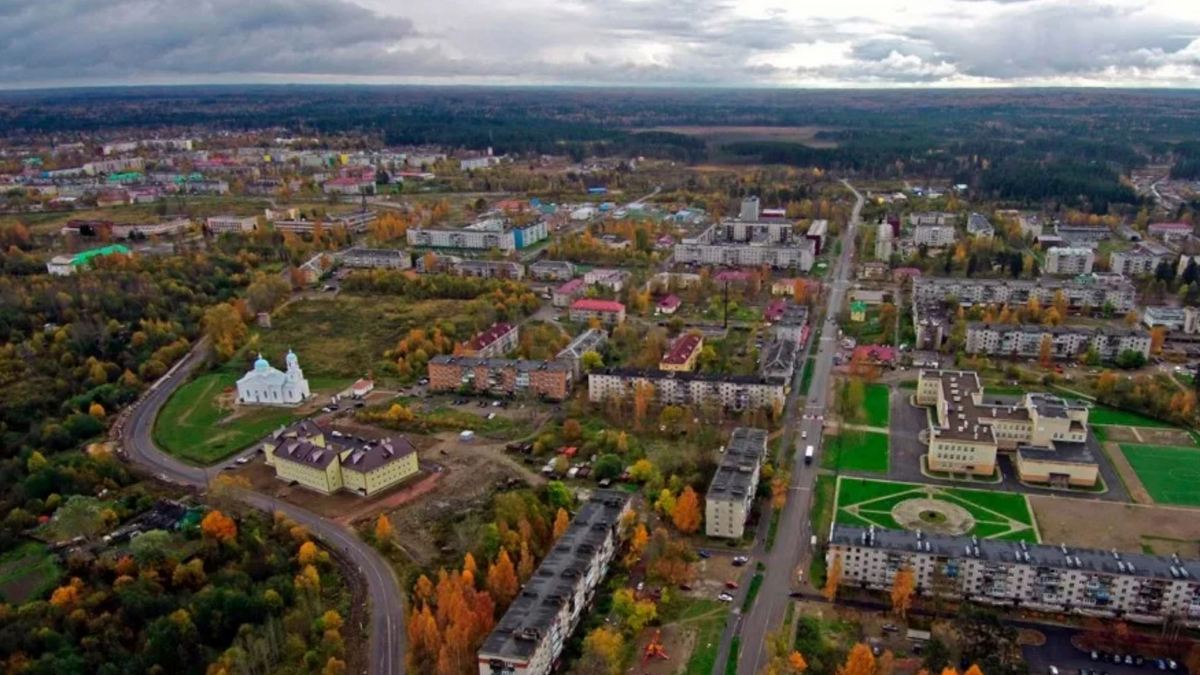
732	392
967	429
731	493
548	379
1065	342
530	636
1106	584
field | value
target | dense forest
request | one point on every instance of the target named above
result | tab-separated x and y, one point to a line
1002	141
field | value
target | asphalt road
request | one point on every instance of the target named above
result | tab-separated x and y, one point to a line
792	549
387	633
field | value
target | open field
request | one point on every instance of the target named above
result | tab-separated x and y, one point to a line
346	335
732	134
27	571
876	405
1170	474
1101	415
856	451
196	424
1125	527
994	515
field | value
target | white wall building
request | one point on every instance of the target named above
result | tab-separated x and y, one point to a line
1068	260
265	385
731	492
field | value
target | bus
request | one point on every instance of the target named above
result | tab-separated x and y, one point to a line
808	455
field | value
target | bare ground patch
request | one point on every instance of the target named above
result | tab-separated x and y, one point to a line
1133	484
730	134
1134	528
1178	437
1122	435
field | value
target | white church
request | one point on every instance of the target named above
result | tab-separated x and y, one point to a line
265	385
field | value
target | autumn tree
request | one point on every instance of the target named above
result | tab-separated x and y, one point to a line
686	515
1045	351
860	661
219	527
224	326
903	585
502	579
383	530
833	578
561	521
637	545
307	554
603	651
1158	337
643	395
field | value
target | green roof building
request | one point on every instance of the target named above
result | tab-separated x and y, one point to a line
64	265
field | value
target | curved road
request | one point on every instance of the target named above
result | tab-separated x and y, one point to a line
386	655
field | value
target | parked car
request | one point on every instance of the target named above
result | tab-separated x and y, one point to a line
740	560
703	554
725	597
732	585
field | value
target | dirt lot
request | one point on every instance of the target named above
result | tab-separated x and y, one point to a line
677	640
472	473
1165	437
1125	527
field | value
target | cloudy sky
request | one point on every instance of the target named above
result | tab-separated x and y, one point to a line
806	43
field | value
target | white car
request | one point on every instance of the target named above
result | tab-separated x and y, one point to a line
725	597
243	460
804	434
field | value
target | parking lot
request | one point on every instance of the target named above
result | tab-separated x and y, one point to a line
1058	651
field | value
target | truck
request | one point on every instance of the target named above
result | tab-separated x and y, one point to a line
808	455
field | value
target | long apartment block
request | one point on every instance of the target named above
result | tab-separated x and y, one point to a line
1090	291
731	492
1108	584
1066	342
733	392
530	636
515	377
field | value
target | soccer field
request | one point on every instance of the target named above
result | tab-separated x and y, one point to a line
994	515
1170	474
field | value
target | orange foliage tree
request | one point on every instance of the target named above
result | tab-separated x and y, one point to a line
686	515
218	526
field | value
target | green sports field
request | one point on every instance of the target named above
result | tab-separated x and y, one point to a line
997	515
1170	474
856	451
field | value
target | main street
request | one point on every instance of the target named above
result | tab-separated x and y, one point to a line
386	656
792	550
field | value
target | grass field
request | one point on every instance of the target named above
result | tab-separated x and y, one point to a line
856	451
998	515
806	376
876	405
1112	417
346	336
1170	474
26	572
709	617
191	425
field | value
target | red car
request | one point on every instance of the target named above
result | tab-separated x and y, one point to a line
731	585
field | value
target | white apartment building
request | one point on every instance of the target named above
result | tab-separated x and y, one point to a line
486	234
731	492
934	236
1066	342
530	636
376	258
732	392
219	224
931	218
1139	260
884	242
749	241
1092	291
1069	260
1106	584
1174	319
